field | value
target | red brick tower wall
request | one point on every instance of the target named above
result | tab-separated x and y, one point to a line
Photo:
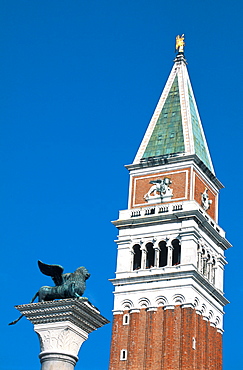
165	339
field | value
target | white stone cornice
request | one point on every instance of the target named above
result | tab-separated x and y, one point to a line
118	312
189	210
169	291
188	305
179	276
64	310
169	307
122	241
134	310
219	330
221	260
178	160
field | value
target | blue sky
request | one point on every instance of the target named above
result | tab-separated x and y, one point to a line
79	83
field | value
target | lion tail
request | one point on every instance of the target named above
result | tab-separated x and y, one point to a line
15	321
36	295
20	317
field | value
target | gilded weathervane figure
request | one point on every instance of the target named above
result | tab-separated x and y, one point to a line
180	43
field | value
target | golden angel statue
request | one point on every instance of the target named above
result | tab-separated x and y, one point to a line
180	43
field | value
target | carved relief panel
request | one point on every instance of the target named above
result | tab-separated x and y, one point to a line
162	187
205	195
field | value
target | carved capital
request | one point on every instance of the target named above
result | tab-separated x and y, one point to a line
62	337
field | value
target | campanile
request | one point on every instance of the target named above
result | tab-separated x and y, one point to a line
168	297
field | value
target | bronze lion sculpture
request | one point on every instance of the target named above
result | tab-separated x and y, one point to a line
69	285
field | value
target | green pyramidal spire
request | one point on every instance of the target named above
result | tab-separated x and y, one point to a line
167	136
175	127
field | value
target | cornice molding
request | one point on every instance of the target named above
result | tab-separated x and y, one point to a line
176	275
81	313
176	216
177	158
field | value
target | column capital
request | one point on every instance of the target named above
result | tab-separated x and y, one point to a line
62	326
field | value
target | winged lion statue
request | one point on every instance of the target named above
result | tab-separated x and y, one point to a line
69	285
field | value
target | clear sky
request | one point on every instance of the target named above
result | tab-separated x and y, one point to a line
79	83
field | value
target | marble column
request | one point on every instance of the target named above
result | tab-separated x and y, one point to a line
62	327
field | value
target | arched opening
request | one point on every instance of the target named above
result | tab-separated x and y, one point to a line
163	254
150	255
208	267
204	262
137	257
176	255
214	270
199	257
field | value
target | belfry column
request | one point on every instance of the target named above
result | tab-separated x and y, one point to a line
170	251
62	327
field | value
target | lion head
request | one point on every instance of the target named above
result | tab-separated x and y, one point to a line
82	270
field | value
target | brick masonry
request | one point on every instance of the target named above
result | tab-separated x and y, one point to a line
165	339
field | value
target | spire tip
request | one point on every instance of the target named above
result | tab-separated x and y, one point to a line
180	43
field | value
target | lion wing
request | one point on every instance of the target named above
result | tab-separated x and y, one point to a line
55	271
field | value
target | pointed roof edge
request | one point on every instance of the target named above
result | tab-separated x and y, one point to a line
201	128
155	115
188	125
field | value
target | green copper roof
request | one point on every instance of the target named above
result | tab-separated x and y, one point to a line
199	142
175	127
167	136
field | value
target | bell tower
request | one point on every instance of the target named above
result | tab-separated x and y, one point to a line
168	298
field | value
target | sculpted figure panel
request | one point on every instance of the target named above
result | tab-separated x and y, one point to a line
160	190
